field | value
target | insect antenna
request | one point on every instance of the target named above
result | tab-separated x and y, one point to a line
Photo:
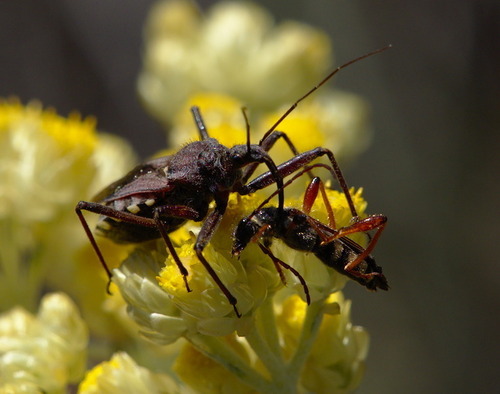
247	125
326	79
200	124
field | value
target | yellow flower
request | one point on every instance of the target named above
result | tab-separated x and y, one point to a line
332	119
165	311
235	56
235	49
336	363
336	360
222	116
44	352
151	308
206	308
122	375
47	164
39	152
205	375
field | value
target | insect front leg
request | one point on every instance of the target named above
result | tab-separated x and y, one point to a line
267	145
181	212
207	231
300	161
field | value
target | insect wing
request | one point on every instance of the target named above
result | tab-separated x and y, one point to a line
149	177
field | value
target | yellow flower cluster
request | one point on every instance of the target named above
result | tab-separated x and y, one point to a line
233	56
47	163
122	375
42	353
165	310
335	363
279	341
235	49
236	56
40	151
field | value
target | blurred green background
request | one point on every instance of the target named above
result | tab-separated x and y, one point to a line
432	168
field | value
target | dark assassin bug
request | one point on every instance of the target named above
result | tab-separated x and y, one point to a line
298	230
157	197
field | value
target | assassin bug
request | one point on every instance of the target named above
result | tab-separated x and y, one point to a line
298	230
157	197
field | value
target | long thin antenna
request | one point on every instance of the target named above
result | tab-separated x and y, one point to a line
200	124
328	77
247	124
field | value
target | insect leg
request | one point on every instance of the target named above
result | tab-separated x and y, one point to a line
288	182
178	211
277	263
207	230
171	249
274	176
267	145
310	197
377	222
93	242
112	213
300	161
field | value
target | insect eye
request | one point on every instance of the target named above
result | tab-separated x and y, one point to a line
239	155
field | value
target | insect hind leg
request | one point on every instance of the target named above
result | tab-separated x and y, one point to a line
84	205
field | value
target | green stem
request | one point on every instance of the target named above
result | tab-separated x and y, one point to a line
281	381
266	321
308	335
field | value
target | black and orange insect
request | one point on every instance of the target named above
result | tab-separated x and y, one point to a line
298	230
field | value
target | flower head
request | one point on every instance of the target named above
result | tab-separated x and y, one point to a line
246	62
121	374
258	64
336	361
40	151
205	375
47	351
151	308
165	310
235	49
47	163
